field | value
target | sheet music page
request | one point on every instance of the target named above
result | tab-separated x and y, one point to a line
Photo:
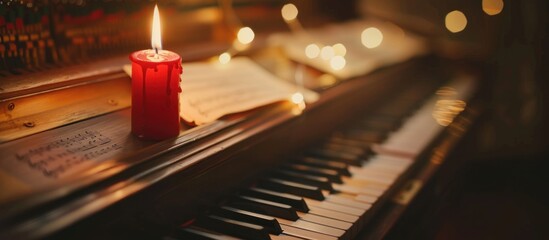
396	46
212	90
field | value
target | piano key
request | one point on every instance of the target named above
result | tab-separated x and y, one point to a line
299	189
358	198
321	182
348	202
261	206
326	221
392	160
270	223
295	201
366	198
197	233
332	175
284	237
314	227
366	184
341	168
333	214
358	190
370	178
305	234
366	173
313	220
233	227
200	234
380	167
336	207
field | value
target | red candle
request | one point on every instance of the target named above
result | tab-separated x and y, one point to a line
155	90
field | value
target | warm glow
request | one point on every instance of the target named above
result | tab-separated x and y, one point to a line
492	7
455	21
289	12
338	62
299	102
327	53
340	49
446	110
297	98
156	40
224	58
245	35
312	50
371	37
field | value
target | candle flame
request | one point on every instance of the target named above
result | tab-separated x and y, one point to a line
156	41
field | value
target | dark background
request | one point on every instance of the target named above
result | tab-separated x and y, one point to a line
495	184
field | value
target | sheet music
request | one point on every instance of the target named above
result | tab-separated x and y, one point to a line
396	46
212	90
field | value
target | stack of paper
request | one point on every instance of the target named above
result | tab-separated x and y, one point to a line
395	46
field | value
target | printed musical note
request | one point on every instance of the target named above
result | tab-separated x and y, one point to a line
59	156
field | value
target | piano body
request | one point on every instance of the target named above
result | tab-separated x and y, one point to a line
346	166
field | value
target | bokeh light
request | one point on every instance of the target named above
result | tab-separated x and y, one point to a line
289	12
455	21
224	58
312	51
492	7
371	37
245	35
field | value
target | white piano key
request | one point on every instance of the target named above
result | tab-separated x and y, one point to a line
301	233
283	237
348	202
325	221
335	207
314	227
333	214
357	190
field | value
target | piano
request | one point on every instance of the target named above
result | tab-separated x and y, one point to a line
346	166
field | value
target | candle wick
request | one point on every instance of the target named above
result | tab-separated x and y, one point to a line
156	50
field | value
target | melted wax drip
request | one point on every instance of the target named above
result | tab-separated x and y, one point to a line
168	84
144	112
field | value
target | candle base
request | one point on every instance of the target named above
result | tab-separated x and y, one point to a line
155	137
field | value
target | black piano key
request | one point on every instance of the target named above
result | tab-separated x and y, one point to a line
299	177
332	175
199	234
266	207
341	168
270	223
292	188
296	202
233	227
